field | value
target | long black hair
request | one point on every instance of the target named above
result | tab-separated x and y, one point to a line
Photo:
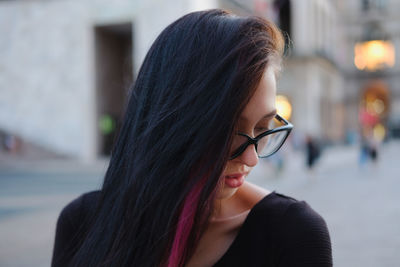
166	164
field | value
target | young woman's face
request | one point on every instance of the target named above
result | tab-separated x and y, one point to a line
254	119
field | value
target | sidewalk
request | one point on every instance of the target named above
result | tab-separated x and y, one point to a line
21	164
360	205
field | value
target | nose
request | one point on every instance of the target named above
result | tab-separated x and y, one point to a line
249	157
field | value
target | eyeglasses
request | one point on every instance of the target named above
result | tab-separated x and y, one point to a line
266	143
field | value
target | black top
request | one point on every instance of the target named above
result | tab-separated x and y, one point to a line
279	231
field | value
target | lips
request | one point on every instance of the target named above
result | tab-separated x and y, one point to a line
235	180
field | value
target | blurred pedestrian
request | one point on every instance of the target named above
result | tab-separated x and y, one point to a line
373	149
368	147
201	113
11	144
364	151
313	151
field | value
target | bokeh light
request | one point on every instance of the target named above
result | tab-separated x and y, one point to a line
106	124
379	132
373	55
283	106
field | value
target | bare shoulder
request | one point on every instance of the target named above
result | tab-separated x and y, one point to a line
251	194
256	189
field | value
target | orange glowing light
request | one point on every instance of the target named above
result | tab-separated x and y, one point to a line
374	55
283	106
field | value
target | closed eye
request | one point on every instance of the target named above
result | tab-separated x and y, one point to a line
259	130
264	126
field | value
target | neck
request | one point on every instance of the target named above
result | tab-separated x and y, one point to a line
228	206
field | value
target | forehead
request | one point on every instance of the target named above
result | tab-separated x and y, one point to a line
263	100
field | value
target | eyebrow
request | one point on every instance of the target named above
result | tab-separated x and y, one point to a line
266	116
269	115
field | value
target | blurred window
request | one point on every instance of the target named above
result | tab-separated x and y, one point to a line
283	11
367	5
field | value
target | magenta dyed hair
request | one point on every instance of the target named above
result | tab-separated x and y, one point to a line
185	225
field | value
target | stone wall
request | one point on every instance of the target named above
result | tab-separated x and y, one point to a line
47	64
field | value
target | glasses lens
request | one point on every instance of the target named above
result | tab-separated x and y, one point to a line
269	144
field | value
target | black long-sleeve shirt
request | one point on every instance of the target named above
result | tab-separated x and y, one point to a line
279	231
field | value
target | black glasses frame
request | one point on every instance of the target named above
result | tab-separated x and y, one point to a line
287	127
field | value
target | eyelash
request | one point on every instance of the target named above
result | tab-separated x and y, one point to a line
261	129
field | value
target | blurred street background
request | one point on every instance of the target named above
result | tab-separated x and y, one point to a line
359	203
65	71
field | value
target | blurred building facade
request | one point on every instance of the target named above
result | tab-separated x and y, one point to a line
65	66
311	81
341	73
312	77
371	67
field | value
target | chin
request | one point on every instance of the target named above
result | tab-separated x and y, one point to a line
226	192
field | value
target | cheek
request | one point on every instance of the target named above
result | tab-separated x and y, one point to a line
229	167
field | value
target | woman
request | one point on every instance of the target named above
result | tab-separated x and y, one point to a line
200	114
